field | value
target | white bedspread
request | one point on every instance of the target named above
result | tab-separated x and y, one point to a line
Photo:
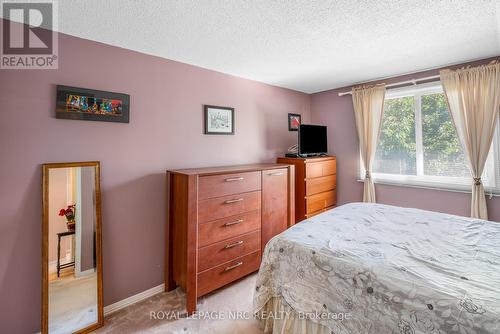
388	270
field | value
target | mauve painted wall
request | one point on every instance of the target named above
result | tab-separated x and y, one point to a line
338	114
58	199
165	132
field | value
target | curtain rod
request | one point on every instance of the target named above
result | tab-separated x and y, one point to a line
412	81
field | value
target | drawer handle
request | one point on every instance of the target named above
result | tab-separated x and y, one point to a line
276	174
233	266
234	245
234	223
232	179
233	201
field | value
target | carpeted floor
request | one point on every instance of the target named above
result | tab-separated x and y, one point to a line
72	303
226	311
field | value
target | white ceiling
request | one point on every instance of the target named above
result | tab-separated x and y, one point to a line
304	45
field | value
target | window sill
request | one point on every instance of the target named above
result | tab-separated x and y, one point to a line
455	189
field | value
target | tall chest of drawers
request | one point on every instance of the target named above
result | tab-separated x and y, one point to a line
315	185
219	222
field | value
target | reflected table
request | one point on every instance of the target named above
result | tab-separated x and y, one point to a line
59	264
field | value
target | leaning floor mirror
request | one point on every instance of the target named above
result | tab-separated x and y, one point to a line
72	260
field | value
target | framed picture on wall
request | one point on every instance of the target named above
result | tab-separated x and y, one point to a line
293	122
92	105
218	120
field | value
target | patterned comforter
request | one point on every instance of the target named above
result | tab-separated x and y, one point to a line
371	268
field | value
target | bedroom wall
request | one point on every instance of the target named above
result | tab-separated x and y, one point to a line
58	199
165	132
338	114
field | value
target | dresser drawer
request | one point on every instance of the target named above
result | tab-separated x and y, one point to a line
221	229
227	250
228	184
321	168
214	278
320	201
330	167
320	184
309	215
220	207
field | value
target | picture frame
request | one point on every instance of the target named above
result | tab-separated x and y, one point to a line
218	120
92	105
294	121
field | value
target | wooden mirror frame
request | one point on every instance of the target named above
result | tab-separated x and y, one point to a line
45	243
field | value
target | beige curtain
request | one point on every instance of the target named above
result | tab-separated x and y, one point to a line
473	96
368	110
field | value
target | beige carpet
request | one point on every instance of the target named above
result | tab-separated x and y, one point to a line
225	303
72	303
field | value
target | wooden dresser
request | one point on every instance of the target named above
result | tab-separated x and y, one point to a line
315	185
219	222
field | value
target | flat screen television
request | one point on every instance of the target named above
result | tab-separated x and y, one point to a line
312	139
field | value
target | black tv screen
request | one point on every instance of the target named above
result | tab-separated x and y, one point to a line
312	139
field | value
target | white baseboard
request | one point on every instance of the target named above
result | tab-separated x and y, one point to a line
85	273
133	299
53	264
53	267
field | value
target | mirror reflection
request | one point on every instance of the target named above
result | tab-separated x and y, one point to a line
73	302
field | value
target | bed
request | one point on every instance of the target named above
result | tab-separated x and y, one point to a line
371	268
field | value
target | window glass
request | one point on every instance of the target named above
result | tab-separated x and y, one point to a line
419	145
397	147
442	152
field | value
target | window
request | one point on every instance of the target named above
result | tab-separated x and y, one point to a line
418	143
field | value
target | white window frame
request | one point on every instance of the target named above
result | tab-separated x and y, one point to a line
491	175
